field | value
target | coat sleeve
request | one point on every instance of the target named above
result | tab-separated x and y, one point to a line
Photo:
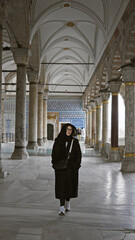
76	155
55	151
79	155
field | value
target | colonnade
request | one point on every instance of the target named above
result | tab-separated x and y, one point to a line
37	108
100	142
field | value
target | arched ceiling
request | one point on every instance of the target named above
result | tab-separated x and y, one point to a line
73	36
73	32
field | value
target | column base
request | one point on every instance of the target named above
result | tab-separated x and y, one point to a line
3	172
128	165
45	139
40	142
103	152
32	145
19	154
96	147
114	155
92	143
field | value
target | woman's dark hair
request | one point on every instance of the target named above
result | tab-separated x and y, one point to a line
62	133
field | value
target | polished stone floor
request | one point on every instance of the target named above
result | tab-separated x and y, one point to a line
104	210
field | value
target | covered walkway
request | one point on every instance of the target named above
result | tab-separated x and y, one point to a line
104	210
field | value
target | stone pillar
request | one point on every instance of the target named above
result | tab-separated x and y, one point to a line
3	173
0	83
105	97
21	59
45	97
90	125
128	165
114	154
98	123
40	116
86	125
3	138
33	104
93	127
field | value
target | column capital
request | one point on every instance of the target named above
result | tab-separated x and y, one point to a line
128	74
33	77
98	101
40	88
105	96
115	85
92	104
86	109
45	97
20	55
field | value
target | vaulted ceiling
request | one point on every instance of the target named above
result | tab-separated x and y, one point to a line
72	38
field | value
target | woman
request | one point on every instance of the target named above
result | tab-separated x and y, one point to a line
66	181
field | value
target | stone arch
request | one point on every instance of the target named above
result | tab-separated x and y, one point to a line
104	76
129	44
35	55
116	64
19	34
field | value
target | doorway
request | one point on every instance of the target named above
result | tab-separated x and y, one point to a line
50	129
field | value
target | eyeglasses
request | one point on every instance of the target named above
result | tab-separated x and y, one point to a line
69	129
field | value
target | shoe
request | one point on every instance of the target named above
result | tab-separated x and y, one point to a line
62	211
67	206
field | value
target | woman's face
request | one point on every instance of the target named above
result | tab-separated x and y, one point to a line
68	130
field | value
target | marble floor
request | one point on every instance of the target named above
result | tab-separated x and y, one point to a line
104	210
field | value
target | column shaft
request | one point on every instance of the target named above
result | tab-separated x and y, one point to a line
32	142
98	126
128	165
114	122
88	130
0	81
86	125
40	119
104	126
20	122
114	154
45	120
93	127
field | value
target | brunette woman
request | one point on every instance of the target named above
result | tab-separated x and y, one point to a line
66	181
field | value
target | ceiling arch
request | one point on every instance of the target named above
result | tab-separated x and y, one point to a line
68	31
73	4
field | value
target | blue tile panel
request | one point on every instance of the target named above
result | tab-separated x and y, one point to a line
70	110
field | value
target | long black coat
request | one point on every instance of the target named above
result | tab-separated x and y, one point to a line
66	181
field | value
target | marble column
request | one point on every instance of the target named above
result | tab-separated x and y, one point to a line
93	127
105	97
86	125
21	59
114	154
0	83
98	123
33	104
90	125
45	97
40	116
3	173
128	164
2	117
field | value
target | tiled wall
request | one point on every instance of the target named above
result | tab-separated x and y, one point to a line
70	110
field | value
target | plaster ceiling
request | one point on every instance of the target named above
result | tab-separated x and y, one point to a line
72	32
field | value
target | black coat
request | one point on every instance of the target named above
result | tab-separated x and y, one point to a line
66	181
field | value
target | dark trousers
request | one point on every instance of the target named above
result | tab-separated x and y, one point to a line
62	201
